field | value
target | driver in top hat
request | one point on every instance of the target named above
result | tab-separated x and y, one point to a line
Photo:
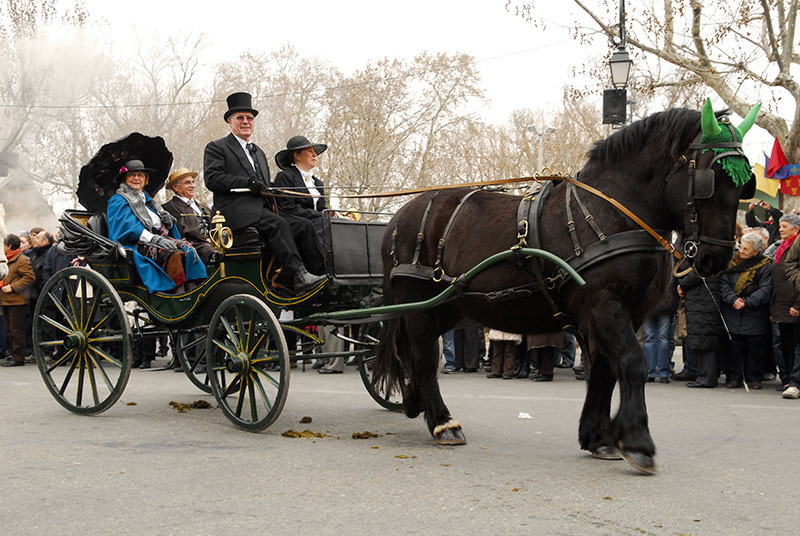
234	162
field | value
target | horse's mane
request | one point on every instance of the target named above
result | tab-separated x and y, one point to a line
664	133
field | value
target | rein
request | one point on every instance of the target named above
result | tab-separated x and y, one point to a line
536	178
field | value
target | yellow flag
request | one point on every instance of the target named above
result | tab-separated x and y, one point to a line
764	184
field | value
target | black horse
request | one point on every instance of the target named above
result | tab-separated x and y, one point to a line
657	169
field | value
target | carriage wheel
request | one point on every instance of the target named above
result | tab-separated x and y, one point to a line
248	362
81	340
368	333
190	347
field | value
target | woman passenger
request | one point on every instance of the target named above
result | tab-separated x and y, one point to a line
297	162
164	261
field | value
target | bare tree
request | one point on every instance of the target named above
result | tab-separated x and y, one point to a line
738	49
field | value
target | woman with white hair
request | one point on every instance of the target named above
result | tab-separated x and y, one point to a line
785	304
746	290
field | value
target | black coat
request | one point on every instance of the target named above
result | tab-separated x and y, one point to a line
784	293
772	227
225	167
754	318
305	207
703	321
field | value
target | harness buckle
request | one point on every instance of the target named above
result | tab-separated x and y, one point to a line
438	273
690	249
571	226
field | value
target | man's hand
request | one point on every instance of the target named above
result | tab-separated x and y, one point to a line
7	289
681	293
738	304
793	311
255	186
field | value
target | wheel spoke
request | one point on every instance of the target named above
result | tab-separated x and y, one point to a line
224	347
90	364
71	299
231	335
102	320
81	372
83	301
45	344
268	377
109	384
253	407
257	345
257	382
64	313
95	301
235	384
102	353
59	361
107	338
240	326
56	325
68	377
240	402
251	327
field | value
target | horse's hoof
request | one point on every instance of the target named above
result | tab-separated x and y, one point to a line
606	453
449	433
640	461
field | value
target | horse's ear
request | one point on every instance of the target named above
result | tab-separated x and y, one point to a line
749	191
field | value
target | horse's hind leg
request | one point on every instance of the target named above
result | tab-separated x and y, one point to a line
614	337
594	433
423	389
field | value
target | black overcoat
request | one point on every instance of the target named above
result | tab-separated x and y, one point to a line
226	167
305	207
703	320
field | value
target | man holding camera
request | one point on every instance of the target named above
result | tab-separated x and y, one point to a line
771	224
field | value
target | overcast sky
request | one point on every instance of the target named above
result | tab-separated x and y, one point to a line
521	66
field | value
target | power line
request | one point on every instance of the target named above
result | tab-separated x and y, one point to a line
278	95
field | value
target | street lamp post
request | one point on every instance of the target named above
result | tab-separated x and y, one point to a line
540	132
615	101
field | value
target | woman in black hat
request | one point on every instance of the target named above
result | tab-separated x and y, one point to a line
296	163
164	261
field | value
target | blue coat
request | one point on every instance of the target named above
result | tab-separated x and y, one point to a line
124	227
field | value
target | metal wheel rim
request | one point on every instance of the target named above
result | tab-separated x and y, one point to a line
89	377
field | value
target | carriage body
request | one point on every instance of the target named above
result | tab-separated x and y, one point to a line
88	317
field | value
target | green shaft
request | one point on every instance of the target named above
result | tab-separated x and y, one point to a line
402	308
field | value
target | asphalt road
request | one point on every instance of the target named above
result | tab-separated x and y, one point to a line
726	463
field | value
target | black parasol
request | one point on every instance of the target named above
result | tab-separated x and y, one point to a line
98	179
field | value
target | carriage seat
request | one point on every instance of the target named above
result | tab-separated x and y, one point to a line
98	223
246	242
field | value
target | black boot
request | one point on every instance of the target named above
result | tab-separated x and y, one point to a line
304	281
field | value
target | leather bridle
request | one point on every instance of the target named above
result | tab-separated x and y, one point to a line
701	186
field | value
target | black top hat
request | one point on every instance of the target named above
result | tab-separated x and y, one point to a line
239	102
133	165
284	158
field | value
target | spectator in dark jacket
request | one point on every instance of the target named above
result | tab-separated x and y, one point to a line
785	298
772	222
703	325
746	290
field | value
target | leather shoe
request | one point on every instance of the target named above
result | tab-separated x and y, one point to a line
329	371
13	364
684	376
304	281
493	375
698	384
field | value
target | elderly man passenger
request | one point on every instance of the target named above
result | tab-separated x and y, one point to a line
192	217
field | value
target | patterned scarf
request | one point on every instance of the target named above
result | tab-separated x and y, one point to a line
747	269
139	208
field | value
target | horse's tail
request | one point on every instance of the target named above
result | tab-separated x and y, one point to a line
388	373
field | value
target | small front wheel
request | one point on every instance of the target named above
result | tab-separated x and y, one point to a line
248	362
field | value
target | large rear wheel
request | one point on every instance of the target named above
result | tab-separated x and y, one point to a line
367	335
81	340
248	362
190	347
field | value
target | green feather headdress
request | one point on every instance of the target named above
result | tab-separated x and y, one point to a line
736	167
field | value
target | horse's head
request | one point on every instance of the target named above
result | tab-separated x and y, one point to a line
709	179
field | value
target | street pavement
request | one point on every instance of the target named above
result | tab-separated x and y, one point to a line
726	463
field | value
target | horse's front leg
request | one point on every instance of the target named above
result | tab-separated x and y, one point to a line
614	337
423	389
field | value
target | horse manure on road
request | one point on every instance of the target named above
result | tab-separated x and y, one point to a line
364	435
182	407
304	434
